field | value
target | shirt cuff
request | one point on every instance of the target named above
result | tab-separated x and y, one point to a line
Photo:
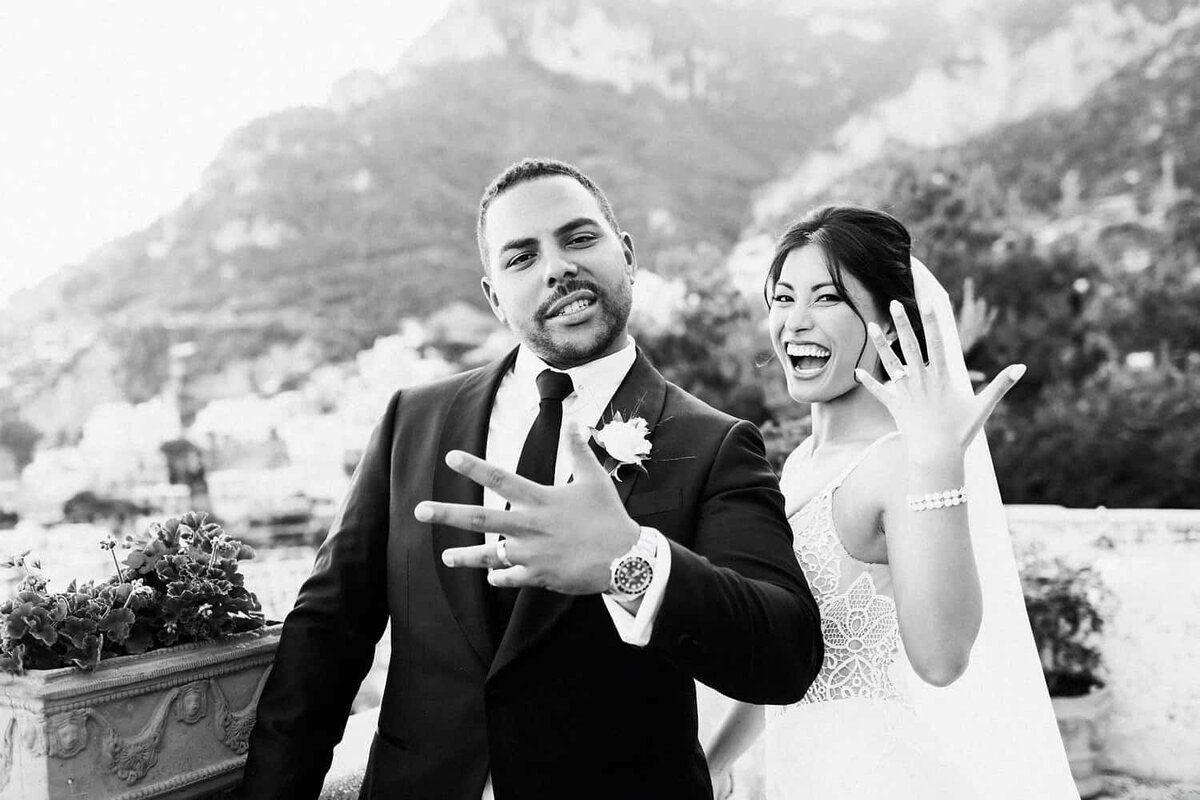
637	630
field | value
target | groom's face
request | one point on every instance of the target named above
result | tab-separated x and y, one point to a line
559	276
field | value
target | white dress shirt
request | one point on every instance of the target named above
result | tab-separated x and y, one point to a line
513	413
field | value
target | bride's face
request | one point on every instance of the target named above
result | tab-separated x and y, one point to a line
816	335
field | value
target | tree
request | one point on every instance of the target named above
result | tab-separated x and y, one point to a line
1126	438
710	349
19	438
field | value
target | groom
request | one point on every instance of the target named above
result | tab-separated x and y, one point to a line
547	619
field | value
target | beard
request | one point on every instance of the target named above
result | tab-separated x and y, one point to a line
565	349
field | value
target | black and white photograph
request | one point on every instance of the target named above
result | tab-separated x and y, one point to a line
600	399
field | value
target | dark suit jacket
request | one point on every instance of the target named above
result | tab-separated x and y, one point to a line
560	707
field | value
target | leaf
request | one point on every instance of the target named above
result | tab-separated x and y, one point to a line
77	630
41	626
18	621
14	661
88	656
117	624
140	640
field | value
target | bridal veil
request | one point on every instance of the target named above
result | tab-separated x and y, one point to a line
996	720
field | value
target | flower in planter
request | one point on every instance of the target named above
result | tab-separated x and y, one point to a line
179	583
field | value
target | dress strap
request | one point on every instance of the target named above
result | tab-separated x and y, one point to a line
836	483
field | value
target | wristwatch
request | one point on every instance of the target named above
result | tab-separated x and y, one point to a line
632	573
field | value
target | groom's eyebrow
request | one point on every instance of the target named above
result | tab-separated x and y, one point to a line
579	222
518	244
559	232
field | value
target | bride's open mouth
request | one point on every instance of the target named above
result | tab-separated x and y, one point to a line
807	359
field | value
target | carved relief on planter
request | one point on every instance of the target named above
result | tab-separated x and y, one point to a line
131	758
234	727
192	704
6	752
143	714
67	733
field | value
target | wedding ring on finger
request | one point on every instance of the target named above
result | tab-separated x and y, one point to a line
901	374
502	553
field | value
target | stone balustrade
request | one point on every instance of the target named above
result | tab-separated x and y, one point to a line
1150	559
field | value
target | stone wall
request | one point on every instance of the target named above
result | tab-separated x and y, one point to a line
1150	559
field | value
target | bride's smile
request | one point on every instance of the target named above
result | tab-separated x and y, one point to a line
817	334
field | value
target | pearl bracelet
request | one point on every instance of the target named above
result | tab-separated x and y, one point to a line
928	502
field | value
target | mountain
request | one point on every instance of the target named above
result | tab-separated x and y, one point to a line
1032	93
317	229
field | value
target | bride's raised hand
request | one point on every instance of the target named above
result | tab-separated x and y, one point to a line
933	403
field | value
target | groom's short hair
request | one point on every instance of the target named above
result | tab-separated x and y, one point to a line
528	169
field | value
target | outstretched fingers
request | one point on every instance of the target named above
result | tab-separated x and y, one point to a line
479	556
877	389
994	392
473	518
891	362
908	338
512	577
509	485
586	464
935	344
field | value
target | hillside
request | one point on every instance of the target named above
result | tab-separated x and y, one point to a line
317	229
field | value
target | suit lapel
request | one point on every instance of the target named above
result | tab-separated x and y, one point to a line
642	393
466	429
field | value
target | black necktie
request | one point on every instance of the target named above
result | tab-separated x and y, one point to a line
538	457
540	451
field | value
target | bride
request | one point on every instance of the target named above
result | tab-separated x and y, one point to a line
930	687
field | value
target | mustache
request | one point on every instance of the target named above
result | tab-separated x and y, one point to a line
567	287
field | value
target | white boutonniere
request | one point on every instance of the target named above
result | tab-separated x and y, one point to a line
625	442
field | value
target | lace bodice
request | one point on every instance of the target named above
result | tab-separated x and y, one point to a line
858	609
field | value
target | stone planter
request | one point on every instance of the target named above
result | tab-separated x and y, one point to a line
1081	721
170	723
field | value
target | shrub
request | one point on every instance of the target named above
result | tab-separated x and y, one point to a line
1064	605
180	583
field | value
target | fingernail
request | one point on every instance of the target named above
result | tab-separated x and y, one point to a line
1018	371
447	559
895	306
453	458
491	578
423	512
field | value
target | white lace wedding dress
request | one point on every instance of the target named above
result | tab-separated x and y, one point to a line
855	733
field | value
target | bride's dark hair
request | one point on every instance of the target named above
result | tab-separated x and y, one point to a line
871	245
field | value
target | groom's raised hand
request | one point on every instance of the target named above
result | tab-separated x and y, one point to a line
561	538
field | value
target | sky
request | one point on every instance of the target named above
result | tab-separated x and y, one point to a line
113	109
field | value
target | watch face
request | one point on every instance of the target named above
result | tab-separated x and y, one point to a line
633	575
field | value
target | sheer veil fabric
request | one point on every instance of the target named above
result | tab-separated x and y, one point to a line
996	719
